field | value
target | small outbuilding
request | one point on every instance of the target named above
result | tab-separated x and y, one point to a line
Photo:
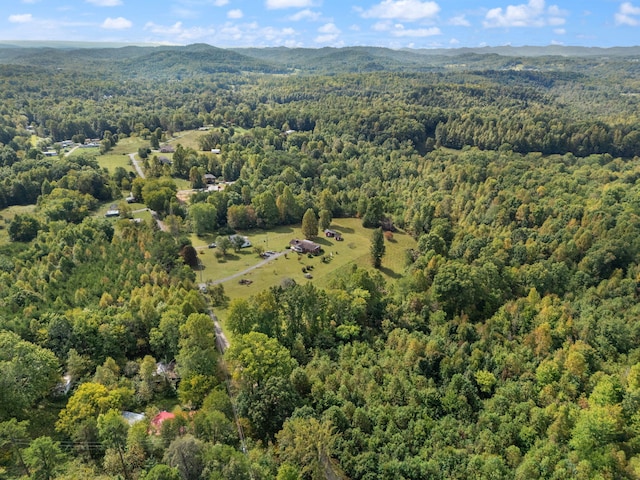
333	234
209	178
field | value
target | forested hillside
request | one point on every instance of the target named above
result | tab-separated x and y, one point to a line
506	348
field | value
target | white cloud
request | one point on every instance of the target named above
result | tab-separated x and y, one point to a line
382	26
119	23
459	21
275	4
229	34
21	18
399	31
329	28
559	31
626	15
408	10
221	3
454	41
105	3
532	14
183	12
235	13
329	33
305	14
30	1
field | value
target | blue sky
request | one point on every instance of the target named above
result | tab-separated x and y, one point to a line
319	23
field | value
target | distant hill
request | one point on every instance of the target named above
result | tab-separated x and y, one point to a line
161	61
202	59
532	51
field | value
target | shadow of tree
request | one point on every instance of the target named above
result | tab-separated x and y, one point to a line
390	273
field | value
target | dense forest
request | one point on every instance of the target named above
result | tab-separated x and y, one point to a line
507	348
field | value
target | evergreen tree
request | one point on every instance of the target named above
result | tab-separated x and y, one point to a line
377	247
325	219
310	224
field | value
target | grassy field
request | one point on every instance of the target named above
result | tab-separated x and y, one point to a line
86	152
340	257
118	155
188	138
112	161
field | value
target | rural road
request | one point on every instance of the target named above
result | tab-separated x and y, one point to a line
239	274
134	162
71	151
221	339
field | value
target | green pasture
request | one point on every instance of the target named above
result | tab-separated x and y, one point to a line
187	138
340	256
111	161
128	145
85	152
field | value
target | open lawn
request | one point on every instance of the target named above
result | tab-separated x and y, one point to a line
339	257
112	161
85	152
128	145
6	216
118	155
188	138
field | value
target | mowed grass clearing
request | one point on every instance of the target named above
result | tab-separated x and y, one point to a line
118	155
341	256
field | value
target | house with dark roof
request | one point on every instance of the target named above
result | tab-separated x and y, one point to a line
333	234
305	246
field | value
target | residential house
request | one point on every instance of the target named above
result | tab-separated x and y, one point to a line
305	246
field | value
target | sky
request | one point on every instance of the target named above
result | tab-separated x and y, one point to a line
321	23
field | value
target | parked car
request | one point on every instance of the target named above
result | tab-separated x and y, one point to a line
212	245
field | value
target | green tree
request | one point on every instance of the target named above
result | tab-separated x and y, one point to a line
14	433
162	472
44	457
306	443
196	178
373	215
23	228
89	401
256	357
288	207
27	374
223	244
112	431
310	224
186	454
268	406
197	359
165	337
324	222
378	248
204	218
266	209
